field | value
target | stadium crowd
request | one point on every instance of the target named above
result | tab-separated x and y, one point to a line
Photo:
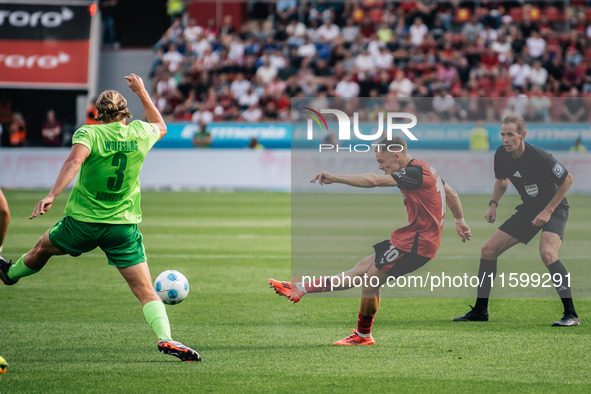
450	51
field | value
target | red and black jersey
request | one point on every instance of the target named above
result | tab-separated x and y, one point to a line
424	198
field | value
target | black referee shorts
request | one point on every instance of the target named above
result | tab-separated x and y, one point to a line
519	225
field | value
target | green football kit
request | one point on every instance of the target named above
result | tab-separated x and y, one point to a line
104	206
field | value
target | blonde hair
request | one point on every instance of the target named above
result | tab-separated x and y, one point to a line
517	120
111	107
396	140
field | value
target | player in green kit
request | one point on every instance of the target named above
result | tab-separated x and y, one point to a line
104	206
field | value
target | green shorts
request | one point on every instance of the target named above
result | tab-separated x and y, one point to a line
122	243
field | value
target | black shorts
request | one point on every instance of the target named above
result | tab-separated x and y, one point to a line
394	262
519	225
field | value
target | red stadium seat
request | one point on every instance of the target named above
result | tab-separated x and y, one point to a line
516	14
484	83
552	14
588	14
376	15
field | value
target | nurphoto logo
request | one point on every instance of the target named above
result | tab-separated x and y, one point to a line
344	133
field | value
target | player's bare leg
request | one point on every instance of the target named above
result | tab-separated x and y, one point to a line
30	263
498	243
343	281
549	246
138	278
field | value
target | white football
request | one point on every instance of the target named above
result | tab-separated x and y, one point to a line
172	287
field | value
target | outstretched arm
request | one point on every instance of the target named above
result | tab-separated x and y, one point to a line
136	84
455	205
360	180
69	169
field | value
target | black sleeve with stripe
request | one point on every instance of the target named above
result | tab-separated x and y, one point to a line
410	178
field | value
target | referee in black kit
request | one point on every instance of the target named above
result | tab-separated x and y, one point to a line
542	183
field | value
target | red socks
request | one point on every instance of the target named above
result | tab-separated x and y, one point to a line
364	324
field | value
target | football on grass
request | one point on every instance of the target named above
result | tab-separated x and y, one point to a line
172	287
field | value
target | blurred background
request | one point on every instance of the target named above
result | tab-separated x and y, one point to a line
224	75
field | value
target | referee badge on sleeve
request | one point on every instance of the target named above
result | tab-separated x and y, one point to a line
558	170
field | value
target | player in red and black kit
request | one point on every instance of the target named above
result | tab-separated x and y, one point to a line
542	183
408	248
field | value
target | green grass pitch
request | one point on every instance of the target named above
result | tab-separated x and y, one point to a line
76	327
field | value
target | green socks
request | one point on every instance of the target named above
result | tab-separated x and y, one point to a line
20	270
155	314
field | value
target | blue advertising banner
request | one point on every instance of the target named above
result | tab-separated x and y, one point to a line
437	136
229	135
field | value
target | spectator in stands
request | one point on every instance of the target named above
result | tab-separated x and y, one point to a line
539	105
489	35
347	87
227	26
17	130
538	74
175	31
202	137
572	76
485	58
444	105
203	114
173	59
574	109
248	99
536	46
401	86
286	11
308	49
587	82
52	130
277	60
239	86
266	72
417	32
520	73
516	104
446	72
502	47
192	31
327	31
252	114
270	112
350	32
463	69
472	29
364	63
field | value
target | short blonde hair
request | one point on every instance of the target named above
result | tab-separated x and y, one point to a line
111	107
386	143
517	120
